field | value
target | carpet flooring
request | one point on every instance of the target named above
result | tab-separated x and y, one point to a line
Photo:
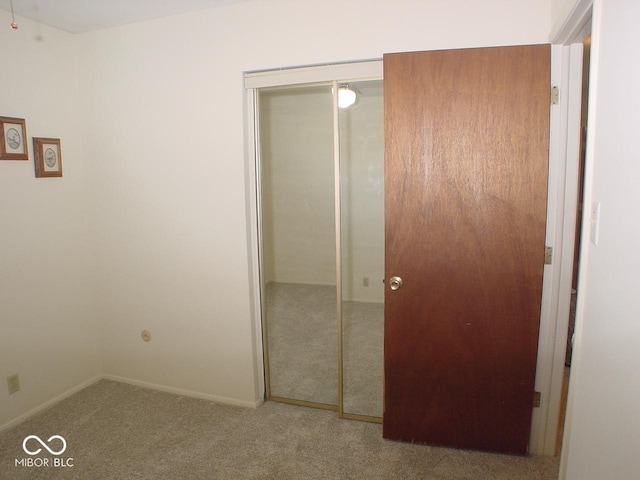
119	431
303	354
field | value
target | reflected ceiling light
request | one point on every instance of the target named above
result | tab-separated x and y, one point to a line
346	96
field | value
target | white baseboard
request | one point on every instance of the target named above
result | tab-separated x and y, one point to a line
186	393
115	378
49	403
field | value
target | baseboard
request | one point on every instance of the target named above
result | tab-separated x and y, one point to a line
115	378
186	393
49	403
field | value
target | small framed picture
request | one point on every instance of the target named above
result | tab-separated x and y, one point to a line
48	157
13	142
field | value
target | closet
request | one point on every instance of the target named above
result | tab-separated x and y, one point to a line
321	201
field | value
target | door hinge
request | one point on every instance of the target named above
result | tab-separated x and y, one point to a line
555	95
548	255
537	397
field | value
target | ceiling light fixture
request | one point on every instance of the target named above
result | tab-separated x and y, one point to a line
346	96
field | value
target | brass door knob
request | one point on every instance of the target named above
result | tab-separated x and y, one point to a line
395	283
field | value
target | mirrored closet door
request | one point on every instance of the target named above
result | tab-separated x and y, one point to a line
320	173
361	129
299	243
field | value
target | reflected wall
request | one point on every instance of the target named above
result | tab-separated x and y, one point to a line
302	265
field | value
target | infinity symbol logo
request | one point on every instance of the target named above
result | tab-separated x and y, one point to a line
52	452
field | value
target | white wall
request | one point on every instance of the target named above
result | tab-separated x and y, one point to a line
603	422
297	170
163	105
48	333
362	198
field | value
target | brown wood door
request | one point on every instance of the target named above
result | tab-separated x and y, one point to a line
466	161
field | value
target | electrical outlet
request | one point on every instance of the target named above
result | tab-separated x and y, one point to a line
365	281
13	383
146	335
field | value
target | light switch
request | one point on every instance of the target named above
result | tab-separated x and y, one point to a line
595	223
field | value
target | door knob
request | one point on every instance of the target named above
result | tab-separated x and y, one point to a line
395	283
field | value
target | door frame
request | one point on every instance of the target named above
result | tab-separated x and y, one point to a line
564	143
330	74
570	34
564	158
560	234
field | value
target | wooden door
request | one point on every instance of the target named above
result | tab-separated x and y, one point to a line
466	161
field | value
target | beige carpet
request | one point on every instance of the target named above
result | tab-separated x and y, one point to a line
303	356
118	431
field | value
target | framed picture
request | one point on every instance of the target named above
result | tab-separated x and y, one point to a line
48	157
13	142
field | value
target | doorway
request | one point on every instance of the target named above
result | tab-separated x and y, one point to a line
584	109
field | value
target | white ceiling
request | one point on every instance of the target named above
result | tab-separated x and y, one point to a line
77	16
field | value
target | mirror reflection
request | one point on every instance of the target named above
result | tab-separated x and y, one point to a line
298	224
362	238
298	230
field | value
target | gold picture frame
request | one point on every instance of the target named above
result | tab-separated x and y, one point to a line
48	157
13	139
